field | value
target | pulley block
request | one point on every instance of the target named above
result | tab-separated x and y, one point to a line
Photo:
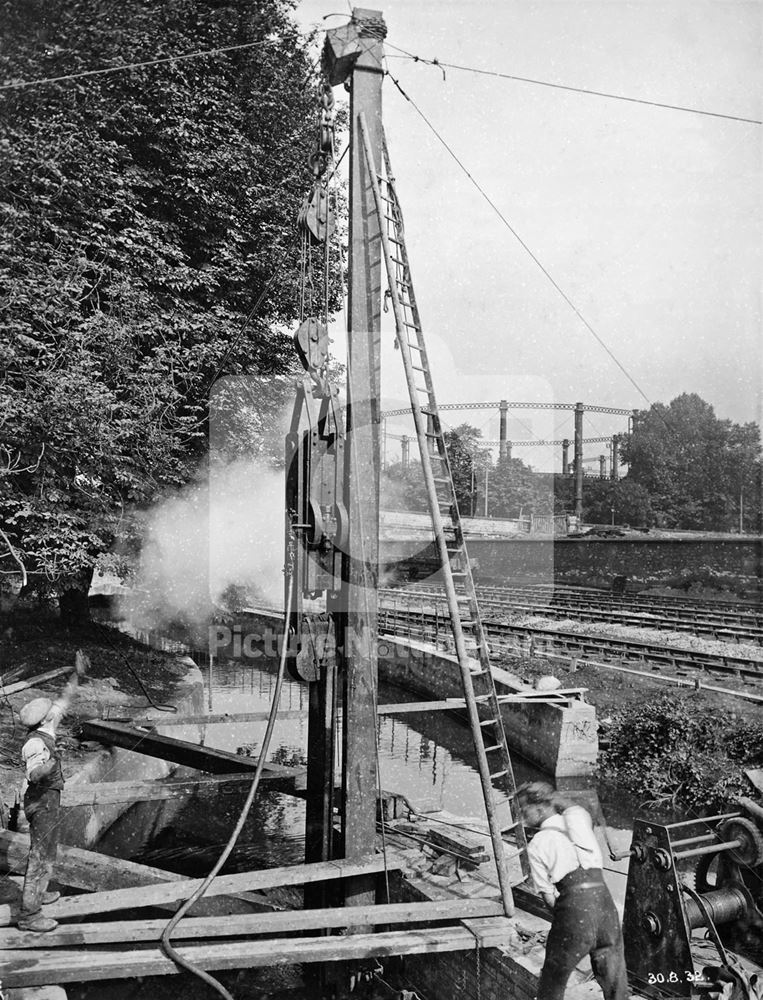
312	344
314	214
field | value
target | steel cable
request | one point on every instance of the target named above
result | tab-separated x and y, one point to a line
166	944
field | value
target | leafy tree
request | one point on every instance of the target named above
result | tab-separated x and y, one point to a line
144	212
696	467
630	502
468	462
402	488
516	489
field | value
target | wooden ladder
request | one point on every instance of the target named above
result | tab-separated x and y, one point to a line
483	707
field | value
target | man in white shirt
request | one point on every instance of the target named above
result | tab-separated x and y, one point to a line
42	799
566	864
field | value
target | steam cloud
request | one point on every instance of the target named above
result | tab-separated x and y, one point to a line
207	539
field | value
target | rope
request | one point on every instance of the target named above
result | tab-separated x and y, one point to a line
370	27
166	945
521	242
671	430
575	90
159	707
21	84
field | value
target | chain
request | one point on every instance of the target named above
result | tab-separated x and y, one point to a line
479	973
315	218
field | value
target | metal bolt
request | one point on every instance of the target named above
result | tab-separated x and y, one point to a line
651	924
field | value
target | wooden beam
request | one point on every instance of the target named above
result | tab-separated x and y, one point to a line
132	931
80	869
357	614
175	891
32	968
107	792
178	751
155	722
34	681
398	708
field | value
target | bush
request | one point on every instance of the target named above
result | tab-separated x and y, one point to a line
676	751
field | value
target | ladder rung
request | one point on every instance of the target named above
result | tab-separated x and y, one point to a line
506	829
498	746
498	774
489	722
516	854
418	368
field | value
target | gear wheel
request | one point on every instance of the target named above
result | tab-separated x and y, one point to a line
750	852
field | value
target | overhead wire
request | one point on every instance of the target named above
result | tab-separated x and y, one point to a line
126	67
166	943
440	64
519	239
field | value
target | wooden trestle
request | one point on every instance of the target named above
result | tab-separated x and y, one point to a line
119	949
42	966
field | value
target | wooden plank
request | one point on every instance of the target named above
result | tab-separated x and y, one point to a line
173	892
132	931
467	844
80	869
655	675
34	681
107	792
155	722
399	708
32	968
178	751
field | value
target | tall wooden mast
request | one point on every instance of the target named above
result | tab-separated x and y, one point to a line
353	54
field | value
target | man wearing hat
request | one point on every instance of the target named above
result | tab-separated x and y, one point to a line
42	799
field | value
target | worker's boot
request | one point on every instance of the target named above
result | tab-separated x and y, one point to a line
38	924
50	897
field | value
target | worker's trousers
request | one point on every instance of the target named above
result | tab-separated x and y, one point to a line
44	815
585	922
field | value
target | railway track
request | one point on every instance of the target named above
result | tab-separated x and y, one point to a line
598	606
429	624
729	611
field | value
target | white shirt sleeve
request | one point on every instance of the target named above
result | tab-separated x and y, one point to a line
34	753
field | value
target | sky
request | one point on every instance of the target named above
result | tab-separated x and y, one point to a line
649	219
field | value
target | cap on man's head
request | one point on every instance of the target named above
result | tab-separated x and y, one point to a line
35	711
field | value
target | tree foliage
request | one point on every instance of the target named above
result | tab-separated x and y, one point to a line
621	501
513	488
676	751
696	468
144	212
468	462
